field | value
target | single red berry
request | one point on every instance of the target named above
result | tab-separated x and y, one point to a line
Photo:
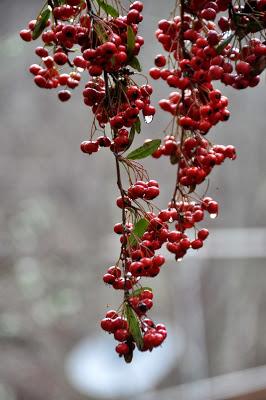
243	68
64	95
137	5
160	61
121	335
104	141
203	234
60	58
155	73
26	35
40	81
122	348
41	52
109	278
89	147
196	244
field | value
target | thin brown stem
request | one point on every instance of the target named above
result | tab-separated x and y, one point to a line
124	244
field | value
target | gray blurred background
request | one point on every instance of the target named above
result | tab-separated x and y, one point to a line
57	213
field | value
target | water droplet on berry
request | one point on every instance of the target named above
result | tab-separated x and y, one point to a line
170	219
180	259
213	216
148	119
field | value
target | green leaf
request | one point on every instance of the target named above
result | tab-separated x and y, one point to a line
58	3
259	66
192	188
128	357
41	23
134	63
137	292
144	151
131	137
131	40
135	128
132	134
134	326
222	45
138	231
108	9
137	125
101	33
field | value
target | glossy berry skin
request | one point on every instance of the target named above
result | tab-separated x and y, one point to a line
194	57
26	35
122	348
89	147
64	95
60	58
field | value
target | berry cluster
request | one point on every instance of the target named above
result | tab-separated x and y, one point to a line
153	335
144	190
105	44
209	41
195	59
138	258
123	104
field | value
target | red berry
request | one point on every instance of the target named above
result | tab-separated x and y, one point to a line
155	73
158	260
122	348
196	244
104	141
26	35
122	202
243	68
35	69
89	147
109	278
60	58
203	234
64	95
40	81
137	5
121	335
160	61
212	207
41	52
151	192
209	14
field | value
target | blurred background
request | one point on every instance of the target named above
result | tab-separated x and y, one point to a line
57	212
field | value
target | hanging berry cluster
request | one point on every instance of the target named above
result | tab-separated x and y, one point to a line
100	39
219	40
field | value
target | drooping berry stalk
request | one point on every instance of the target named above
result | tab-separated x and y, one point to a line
109	44
219	40
198	55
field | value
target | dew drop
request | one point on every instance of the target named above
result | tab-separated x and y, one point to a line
171	219
213	216
148	119
180	259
